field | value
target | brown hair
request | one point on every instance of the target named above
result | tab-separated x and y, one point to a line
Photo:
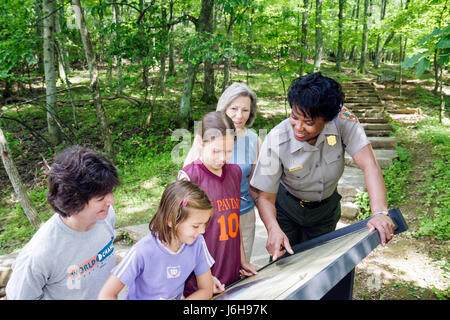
174	206
77	175
215	124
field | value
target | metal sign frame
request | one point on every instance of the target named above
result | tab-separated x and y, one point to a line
330	276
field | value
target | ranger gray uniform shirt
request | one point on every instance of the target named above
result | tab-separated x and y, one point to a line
306	171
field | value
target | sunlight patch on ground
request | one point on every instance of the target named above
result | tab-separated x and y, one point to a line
150	184
401	261
136	208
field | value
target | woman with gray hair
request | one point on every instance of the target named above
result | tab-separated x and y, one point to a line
238	101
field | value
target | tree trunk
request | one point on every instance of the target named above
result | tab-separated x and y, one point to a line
39	37
362	61
377	48
171	48
339	53
402	57
226	73
172	71
17	183
50	72
303	40
63	60
163	53
94	85
442	109
209	96
117	58
355	11
319	39
402	53
227	64
185	106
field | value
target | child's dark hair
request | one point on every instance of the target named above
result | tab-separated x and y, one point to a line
174	206
77	175
215	124
316	96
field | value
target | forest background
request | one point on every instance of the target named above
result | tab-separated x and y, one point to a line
123	77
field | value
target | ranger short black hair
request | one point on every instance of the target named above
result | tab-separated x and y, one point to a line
316	96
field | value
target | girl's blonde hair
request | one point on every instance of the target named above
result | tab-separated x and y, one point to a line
174	206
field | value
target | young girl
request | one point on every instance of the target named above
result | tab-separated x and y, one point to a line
238	102
222	184
158	265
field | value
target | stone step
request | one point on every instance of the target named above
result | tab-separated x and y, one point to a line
351	89
372	99
135	232
377	126
360	93
384	157
351	183
370	114
363	105
383	142
370	119
349	210
378	133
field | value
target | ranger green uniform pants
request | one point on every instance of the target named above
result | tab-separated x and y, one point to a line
302	223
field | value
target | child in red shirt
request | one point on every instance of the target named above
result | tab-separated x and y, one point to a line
222	183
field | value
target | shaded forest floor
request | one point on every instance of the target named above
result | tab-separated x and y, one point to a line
415	265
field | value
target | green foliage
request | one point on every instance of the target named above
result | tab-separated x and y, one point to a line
18	43
396	177
436	188
363	201
437	42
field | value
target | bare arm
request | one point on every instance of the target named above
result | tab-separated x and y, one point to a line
205	287
254	191
247	269
373	177
277	241
111	288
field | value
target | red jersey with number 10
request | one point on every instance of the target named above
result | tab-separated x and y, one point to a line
222	235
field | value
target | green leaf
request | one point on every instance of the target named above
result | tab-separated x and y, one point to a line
410	62
432	34
444	43
423	65
443	60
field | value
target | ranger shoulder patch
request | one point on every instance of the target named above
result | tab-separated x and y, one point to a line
348	115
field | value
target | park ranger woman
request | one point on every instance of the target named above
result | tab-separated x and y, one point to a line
301	162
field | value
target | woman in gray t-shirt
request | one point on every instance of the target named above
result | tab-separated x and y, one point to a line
72	254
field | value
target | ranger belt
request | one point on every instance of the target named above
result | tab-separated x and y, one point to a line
307	203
